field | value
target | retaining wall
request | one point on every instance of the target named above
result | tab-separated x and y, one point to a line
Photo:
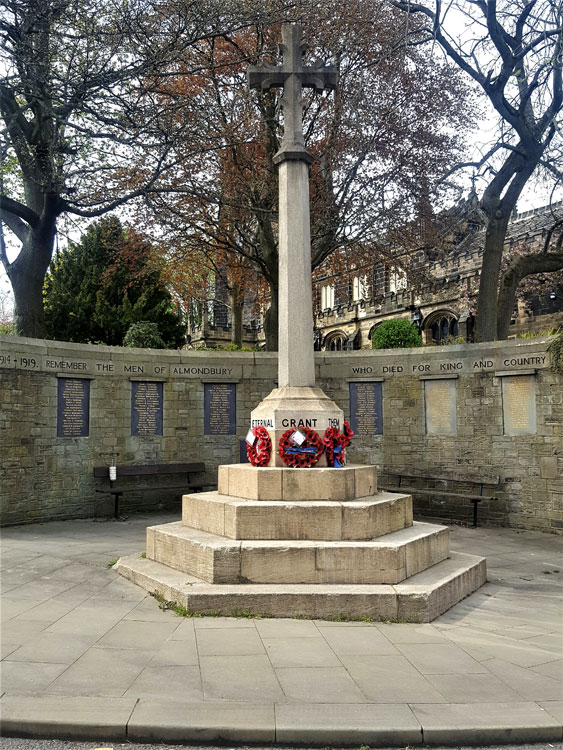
457	411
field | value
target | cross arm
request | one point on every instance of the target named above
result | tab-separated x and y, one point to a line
264	77
319	77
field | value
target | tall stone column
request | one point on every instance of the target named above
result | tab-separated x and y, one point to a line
296	366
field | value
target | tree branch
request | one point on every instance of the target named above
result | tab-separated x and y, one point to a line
19	211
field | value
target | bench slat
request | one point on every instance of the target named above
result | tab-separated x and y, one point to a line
146	488
485	479
438	493
150	469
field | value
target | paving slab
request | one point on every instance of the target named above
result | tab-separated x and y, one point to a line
28	677
555	708
53	648
239	678
528	682
167	681
100	671
300	652
93	650
231	642
366	641
390	679
319	685
138	635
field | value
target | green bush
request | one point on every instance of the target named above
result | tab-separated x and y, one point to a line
144	335
537	334
396	334
556	351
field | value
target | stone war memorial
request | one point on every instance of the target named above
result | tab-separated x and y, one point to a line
297	531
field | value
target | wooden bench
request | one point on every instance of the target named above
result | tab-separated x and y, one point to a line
475	494
117	487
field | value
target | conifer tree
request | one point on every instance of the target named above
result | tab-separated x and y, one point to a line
103	284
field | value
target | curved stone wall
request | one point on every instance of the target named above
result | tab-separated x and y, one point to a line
464	411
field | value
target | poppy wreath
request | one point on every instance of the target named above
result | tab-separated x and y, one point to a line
335	444
259	453
304	455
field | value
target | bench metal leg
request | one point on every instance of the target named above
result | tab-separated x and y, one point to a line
475	506
116	496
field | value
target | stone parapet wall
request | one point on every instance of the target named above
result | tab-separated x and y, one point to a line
483	421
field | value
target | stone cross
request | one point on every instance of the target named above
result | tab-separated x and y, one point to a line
292	76
296	366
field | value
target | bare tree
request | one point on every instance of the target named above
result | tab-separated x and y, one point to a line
513	49
394	123
79	102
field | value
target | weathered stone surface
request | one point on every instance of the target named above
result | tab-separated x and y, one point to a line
218	559
204	511
244	480
209	557
283	483
432	592
463	573
45	479
232	517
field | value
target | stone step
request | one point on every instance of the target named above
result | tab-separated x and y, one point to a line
421	598
362	519
271	483
217	559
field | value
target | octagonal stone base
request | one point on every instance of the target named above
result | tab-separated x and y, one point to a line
271	483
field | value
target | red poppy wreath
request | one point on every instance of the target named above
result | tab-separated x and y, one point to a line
259	453
335	444
300	456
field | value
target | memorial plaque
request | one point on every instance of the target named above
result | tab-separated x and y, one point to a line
219	409
147	408
440	407
519	404
366	412
73	407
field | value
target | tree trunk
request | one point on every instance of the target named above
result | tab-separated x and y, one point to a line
271	322
236	321
488	284
525	265
27	276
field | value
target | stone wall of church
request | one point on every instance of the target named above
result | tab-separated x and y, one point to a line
471	411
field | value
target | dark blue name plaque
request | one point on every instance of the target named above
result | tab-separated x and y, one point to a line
219	409
147	407
366	413
73	407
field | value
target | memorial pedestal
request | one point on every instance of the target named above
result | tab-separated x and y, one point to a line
304	542
293	407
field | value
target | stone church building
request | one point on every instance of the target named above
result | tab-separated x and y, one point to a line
434	287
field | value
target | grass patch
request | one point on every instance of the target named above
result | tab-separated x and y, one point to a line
111	563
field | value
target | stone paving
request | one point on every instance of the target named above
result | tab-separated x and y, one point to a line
87	654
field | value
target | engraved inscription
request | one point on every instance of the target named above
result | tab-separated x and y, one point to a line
219	408
147	407
440	407
519	404
73	406
366	417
